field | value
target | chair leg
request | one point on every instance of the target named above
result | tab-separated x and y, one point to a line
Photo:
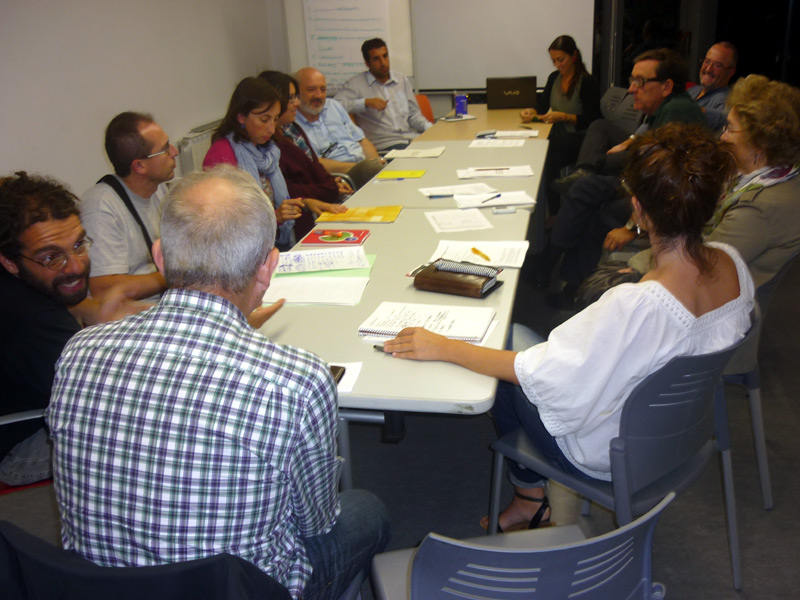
730	514
586	507
494	500
757	419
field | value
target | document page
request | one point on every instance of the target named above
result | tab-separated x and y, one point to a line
446	221
327	259
468	323
416	153
498	199
516	171
445	191
495	254
492	143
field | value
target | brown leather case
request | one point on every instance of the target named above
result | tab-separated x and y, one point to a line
432	279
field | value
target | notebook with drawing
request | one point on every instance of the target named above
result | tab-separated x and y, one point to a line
467	323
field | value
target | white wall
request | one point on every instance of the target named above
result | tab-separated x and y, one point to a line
68	67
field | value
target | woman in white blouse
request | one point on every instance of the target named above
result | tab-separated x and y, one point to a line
568	392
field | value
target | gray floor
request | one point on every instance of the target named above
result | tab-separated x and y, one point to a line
437	479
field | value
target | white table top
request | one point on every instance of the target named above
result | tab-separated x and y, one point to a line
388	383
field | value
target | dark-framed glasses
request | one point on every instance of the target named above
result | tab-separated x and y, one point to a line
640	82
58	260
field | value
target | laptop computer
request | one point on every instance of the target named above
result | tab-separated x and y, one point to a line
511	92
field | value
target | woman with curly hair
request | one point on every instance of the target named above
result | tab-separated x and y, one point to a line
567	393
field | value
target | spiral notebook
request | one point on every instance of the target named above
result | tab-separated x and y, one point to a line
467	323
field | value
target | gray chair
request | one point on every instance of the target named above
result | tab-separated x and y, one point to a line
665	442
743	370
557	562
616	106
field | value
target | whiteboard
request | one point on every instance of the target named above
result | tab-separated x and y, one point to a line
457	44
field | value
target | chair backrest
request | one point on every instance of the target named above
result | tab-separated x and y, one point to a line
616	105
32	568
425	107
666	421
614	566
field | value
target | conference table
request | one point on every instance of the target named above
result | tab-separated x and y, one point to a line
485	119
331	331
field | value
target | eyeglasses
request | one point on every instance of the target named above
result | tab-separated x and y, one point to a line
166	149
727	129
57	261
715	64
639	82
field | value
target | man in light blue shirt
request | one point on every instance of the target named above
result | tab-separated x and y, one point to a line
339	143
716	71
382	100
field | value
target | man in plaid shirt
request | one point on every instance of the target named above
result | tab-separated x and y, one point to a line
181	432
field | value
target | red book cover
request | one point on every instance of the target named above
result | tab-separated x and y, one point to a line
342	237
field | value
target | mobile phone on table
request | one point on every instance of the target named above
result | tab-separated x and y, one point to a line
337	373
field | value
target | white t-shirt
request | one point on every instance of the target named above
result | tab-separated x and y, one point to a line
581	376
119	247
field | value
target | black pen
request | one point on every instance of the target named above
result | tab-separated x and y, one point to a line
379	348
490	198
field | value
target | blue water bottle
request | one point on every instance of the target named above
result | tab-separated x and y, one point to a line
460	104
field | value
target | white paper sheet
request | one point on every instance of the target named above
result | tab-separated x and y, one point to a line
324	259
416	153
501	254
516	133
351	372
515	171
492	143
445	191
446	221
487	200
316	290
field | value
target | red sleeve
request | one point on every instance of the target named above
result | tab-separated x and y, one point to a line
304	177
221	152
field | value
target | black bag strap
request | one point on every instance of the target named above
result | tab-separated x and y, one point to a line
117	187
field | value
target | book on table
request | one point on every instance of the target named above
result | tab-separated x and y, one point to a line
363	214
466	323
335	237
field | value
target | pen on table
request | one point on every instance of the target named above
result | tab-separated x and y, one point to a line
526	126
481	254
493	169
378	347
440	196
489	198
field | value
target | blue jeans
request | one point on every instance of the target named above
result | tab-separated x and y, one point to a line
360	532
513	410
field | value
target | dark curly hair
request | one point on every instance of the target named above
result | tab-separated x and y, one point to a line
26	200
678	173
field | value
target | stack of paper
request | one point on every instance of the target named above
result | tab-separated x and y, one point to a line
497	199
446	191
467	323
516	133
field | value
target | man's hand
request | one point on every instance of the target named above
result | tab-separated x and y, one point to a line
375	103
618	238
318	206
527	115
344	187
260	315
620	147
289	209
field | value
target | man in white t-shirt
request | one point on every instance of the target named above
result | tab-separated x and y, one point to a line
143	159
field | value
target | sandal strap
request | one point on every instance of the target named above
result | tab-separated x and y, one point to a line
529	498
537	518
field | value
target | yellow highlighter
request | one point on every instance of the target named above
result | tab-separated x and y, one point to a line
481	254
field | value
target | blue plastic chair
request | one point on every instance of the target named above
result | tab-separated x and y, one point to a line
665	442
526	565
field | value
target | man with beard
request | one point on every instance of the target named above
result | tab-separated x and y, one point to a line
44	282
382	101
339	143
716	71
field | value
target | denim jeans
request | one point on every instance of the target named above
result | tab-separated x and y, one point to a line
360	532
513	410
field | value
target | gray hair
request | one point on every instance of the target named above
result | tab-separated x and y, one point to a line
218	244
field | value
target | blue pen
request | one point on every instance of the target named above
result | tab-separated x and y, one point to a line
441	196
490	198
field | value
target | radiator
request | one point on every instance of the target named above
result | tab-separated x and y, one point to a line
194	146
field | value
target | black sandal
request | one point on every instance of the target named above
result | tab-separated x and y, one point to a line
537	520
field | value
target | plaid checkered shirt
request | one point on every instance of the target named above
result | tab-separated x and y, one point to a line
181	433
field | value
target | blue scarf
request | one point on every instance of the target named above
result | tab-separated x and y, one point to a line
258	160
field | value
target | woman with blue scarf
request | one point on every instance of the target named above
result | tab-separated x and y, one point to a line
244	139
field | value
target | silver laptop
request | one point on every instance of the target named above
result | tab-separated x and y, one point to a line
511	92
